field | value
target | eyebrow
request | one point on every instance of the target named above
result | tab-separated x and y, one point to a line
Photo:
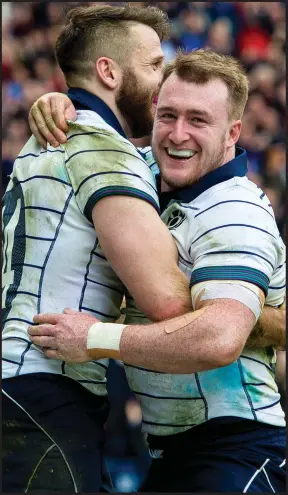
194	111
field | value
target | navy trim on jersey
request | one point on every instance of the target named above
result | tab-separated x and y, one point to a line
27	264
98	382
40	177
111	172
28	293
42	209
165	397
231	225
50	249
22	358
19	319
98	312
240	368
104	149
143	369
231	272
233	201
84	100
86	274
99	255
41	153
277	288
11	199
202	395
16	338
116	191
168	424
235	168
88	134
210	253
257	361
10	361
104	285
100	364
267	407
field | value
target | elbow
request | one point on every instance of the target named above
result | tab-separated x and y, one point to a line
223	352
170	309
230	349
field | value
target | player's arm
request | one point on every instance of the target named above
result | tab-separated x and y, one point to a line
270	328
196	341
142	252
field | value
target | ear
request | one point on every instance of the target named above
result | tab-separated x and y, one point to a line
234	133
108	72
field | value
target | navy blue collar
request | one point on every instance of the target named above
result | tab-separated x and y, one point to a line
235	168
84	100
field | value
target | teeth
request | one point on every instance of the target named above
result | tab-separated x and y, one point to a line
181	153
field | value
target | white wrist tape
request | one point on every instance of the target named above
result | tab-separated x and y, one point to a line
244	292
105	336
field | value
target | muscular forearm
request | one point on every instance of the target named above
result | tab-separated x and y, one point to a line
269	329
209	338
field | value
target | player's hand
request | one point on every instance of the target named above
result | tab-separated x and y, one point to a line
48	116
63	336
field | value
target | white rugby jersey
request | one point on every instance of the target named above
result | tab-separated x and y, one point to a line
224	228
51	255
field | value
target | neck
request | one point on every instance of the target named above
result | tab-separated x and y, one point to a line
109	98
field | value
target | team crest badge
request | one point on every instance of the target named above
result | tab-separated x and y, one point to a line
175	219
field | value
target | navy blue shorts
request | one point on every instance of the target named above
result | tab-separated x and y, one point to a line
221	455
52	435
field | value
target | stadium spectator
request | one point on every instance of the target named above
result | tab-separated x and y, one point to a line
253	32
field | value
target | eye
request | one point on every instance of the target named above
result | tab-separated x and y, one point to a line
197	120
167	116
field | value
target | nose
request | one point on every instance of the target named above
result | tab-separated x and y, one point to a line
178	133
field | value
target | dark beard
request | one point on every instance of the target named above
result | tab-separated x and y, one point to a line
135	104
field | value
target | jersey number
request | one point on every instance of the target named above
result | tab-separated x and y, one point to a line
8	274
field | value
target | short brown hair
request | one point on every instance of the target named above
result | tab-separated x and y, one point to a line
203	65
102	31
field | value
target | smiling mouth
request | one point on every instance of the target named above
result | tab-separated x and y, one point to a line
182	155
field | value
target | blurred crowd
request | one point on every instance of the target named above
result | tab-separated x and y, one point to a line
254	32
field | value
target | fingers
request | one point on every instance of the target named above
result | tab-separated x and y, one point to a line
58	114
44	341
46	111
47	330
70	112
42	125
52	354
52	318
34	130
69	311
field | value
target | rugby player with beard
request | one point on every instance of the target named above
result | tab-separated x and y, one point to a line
199	382
67	211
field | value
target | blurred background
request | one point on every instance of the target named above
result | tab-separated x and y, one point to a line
253	32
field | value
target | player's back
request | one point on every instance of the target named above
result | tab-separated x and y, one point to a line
51	259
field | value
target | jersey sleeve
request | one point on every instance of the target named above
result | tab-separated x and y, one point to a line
149	159
101	163
239	241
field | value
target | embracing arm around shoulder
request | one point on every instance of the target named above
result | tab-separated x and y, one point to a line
208	338
270	328
143	253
